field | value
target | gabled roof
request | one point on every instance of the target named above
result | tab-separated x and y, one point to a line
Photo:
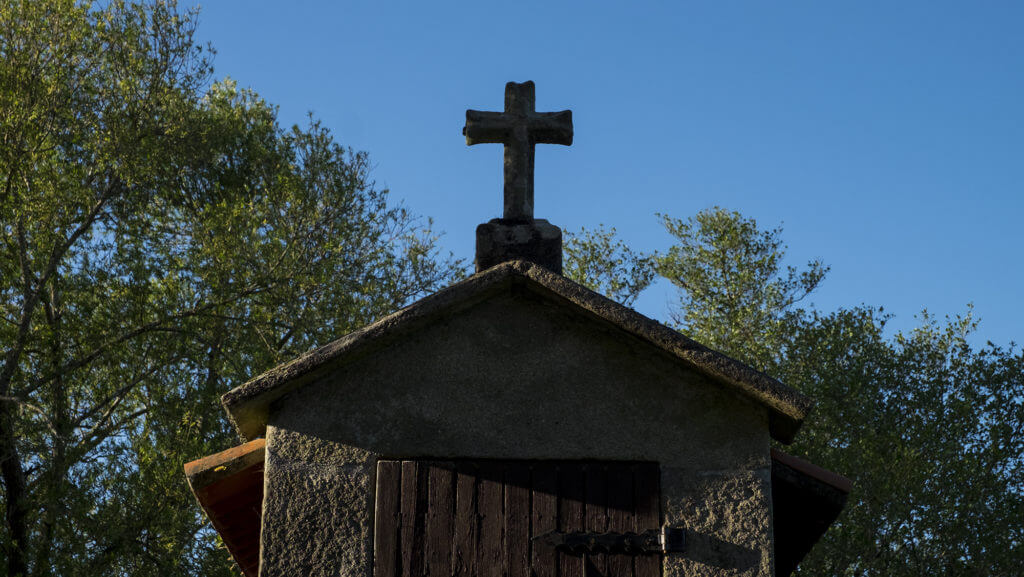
248	404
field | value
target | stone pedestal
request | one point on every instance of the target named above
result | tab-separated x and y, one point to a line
537	241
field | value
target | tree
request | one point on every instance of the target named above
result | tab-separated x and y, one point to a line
930	430
163	240
734	294
932	433
597	259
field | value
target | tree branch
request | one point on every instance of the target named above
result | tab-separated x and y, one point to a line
117	396
32	297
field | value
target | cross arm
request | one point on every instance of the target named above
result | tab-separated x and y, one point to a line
552	127
494	127
485	127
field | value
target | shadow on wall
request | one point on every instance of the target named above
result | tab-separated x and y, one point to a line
713	551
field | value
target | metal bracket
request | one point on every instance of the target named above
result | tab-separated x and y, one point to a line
652	541
673	539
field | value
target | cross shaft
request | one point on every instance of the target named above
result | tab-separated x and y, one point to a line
520	127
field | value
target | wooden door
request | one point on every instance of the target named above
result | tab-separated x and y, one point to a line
480	518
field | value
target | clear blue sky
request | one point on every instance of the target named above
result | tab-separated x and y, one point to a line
887	138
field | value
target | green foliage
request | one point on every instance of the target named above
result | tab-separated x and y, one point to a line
595	258
932	433
163	240
734	293
930	430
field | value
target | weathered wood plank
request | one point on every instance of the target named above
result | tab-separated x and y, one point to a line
412	519
596	565
517	519
464	553
491	543
544	517
620	514
647	499
478	518
387	519
571	493
440	514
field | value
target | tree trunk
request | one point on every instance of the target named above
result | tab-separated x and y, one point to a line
15	494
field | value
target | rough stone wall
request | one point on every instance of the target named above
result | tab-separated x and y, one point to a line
727	518
515	378
317	507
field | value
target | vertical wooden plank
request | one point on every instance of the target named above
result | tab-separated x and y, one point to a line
544	517
440	513
570	514
477	519
387	519
464	554
647	499
412	518
596	515
517	518
491	545
620	514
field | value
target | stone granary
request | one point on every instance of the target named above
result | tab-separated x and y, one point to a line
515	424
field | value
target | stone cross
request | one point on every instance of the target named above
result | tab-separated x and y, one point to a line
519	128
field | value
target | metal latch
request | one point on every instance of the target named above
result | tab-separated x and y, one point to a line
652	541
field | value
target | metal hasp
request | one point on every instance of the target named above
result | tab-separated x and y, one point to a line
519	128
652	541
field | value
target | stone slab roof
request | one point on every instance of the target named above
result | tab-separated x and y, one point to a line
248	405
